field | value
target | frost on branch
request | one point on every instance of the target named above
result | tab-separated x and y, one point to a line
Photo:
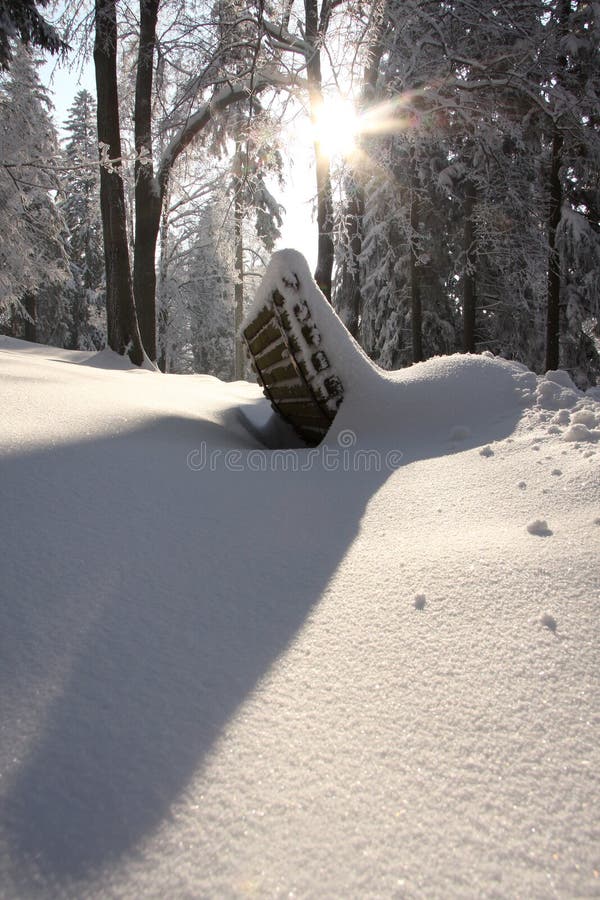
112	165
105	161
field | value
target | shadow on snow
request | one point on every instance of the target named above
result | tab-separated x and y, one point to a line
147	603
145	606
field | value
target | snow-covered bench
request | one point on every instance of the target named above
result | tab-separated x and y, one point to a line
288	353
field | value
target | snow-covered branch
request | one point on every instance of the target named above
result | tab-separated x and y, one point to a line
111	165
284	40
227	96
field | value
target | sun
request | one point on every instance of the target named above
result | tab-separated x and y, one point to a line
336	127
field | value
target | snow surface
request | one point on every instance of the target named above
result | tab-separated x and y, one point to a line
228	671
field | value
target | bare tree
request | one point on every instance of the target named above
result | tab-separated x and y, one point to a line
309	47
122	327
206	95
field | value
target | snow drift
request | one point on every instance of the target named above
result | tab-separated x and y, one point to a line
226	673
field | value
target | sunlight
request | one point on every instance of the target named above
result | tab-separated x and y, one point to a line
336	127
390	116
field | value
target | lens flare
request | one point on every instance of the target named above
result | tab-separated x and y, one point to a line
337	125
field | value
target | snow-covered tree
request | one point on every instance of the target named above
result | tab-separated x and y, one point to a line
33	262
210	303
212	250
21	20
571	94
196	290
482	208
81	211
171	38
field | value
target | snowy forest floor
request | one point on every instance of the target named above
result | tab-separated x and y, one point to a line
232	674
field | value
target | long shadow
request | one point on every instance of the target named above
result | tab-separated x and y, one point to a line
148	601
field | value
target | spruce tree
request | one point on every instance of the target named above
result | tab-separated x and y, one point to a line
33	262
81	209
20	20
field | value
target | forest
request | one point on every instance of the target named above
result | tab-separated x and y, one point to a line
462	216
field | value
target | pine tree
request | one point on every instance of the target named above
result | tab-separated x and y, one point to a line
81	210
483	210
20	20
210	306
33	262
573	91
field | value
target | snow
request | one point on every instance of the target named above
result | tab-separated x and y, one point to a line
579	432
225	675
288	272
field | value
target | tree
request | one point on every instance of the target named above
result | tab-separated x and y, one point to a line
196	255
211	273
81	211
407	305
148	202
316	25
220	219
254	159
206	94
122	326
33	262
484	204
21	20
571	95
308	45
348	296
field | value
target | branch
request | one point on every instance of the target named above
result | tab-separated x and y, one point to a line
513	82
196	123
286	41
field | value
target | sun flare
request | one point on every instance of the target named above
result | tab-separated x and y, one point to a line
336	127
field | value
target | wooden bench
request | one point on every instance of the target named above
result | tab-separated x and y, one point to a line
287	354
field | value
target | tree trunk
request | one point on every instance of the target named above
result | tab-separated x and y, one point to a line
415	276
122	327
469	275
147	199
163	312
323	272
238	221
30	331
350	287
556	199
553	307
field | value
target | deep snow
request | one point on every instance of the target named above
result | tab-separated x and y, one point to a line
231	672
